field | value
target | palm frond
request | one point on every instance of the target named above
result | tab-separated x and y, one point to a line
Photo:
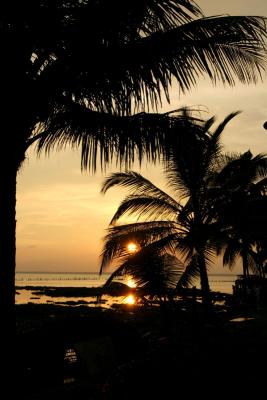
144	233
225	48
190	274
71	61
71	70
105	137
137	184
195	156
226	158
165	244
154	272
260	165
214	148
146	199
158	240
135	60
185	247
148	207
165	14
252	265
115	274
184	167
232	252
260	187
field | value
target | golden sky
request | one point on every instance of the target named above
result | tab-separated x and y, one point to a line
61	214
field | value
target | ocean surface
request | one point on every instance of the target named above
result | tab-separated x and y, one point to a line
218	282
60	279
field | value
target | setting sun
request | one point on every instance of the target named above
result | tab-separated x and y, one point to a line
130	299
132	247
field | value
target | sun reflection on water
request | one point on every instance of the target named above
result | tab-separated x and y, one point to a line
129	299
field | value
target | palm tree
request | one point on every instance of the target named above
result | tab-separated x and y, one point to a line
260	257
72	73
155	272
184	224
242	210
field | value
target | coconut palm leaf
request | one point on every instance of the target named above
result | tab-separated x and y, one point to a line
184	168
146	206
146	198
106	137
243	171
259	188
154	272
242	208
130	58
160	234
190	274
83	35
195	158
214	150
137	184
252	264
224	48
119	271
231	253
199	48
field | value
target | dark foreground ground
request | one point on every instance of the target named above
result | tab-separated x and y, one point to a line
133	352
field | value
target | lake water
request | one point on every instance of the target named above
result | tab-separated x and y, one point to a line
218	283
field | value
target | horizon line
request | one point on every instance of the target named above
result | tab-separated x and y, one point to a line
58	272
96	272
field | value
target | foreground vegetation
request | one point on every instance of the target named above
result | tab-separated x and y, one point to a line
123	352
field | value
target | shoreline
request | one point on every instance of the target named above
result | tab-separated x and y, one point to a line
115	296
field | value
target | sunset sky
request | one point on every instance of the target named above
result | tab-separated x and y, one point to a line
61	214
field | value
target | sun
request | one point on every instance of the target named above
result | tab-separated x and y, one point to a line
131	247
129	299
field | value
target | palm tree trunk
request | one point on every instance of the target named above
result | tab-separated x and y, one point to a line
199	247
204	280
8	250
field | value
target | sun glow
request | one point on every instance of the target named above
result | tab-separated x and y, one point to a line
129	299
132	247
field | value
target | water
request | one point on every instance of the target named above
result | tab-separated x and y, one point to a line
218	282
222	282
59	279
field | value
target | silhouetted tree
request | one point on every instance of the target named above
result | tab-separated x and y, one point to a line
73	71
184	224
242	209
155	272
260	257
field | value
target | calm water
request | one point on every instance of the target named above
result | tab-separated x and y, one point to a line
60	279
219	283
